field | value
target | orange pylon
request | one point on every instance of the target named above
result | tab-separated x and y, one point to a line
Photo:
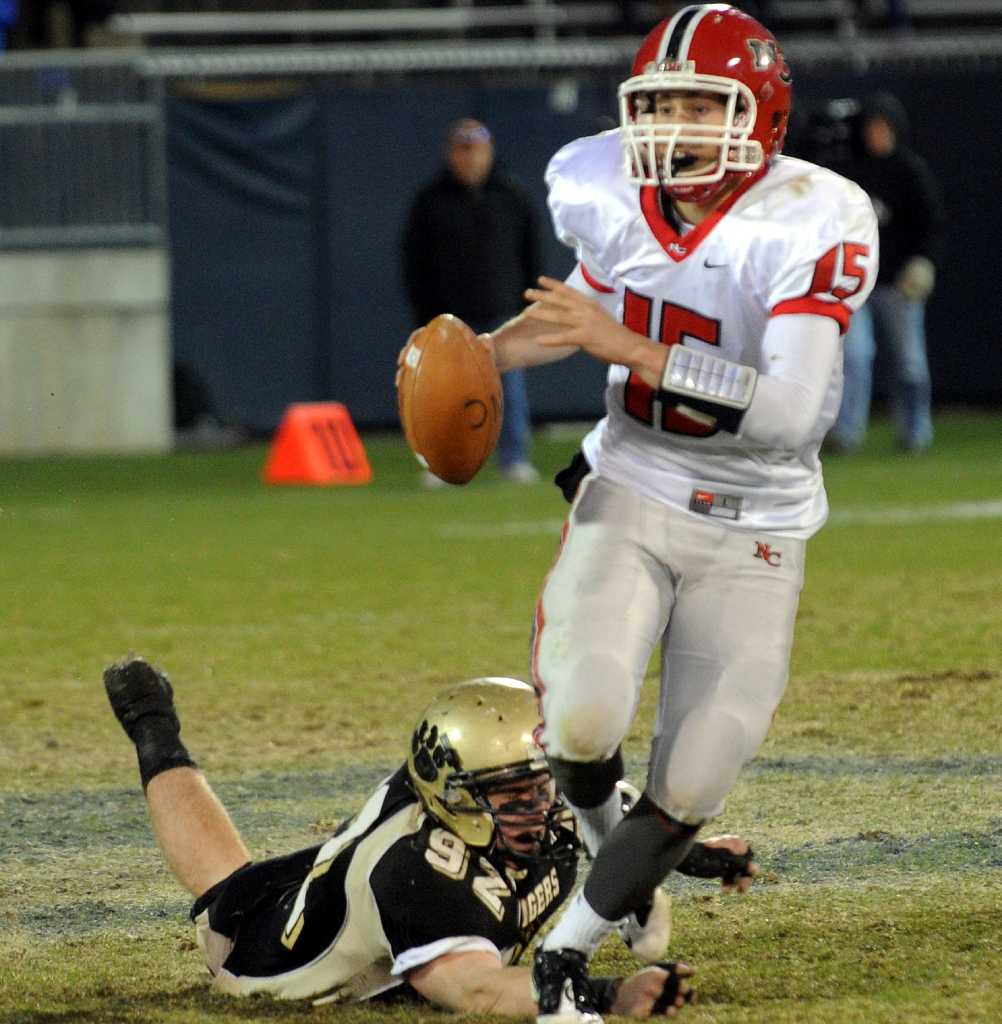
316	443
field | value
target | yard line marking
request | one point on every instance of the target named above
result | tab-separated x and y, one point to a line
916	513
514	528
962	765
890	515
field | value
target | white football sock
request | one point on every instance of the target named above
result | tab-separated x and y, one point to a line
579	928
595	823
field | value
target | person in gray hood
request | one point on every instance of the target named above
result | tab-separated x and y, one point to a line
906	199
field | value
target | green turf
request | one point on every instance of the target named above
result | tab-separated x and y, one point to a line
305	627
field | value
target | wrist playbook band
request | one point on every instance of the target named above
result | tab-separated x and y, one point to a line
708	389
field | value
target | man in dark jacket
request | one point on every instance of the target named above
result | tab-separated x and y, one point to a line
471	247
909	214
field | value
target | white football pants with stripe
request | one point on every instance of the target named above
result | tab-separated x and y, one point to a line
632	573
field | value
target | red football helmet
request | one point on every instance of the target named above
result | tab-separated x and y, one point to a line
705	49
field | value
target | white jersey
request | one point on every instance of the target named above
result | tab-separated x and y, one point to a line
795	238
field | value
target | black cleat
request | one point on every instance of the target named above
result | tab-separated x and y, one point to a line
137	691
563	992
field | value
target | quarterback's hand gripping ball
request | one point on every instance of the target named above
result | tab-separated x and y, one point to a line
450	399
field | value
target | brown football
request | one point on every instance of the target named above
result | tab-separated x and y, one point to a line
450	399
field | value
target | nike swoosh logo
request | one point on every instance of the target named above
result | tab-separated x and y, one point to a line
713	266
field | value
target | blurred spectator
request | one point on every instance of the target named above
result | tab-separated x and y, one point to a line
47	24
471	247
909	212
8	19
828	136
196	422
896	14
85	14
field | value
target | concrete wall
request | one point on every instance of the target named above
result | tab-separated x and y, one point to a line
85	352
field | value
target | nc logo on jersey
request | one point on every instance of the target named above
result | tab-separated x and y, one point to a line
765	552
432	752
677	250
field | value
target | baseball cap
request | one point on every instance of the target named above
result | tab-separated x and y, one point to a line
467	131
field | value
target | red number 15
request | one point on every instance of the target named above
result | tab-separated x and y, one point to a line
677	323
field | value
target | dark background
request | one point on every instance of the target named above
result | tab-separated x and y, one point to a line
285	217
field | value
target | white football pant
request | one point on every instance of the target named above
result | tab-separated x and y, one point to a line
631	573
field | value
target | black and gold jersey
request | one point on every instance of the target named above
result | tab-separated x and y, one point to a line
391	890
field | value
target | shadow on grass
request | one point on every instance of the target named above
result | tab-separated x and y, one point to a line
198	1002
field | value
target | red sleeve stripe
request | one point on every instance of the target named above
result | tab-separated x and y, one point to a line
597	285
838	311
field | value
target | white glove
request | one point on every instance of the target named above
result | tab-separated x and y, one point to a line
917	278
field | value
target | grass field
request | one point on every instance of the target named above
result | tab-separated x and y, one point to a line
304	629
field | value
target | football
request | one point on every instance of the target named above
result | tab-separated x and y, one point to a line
450	399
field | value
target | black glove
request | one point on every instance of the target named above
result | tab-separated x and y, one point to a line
669	992
570	477
704	861
605	990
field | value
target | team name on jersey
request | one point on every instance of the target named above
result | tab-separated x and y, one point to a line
539	898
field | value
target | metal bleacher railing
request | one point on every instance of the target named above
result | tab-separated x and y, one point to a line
543	19
81	145
82	132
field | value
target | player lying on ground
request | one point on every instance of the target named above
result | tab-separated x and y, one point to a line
440	881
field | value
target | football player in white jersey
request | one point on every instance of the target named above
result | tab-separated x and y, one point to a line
436	886
716	277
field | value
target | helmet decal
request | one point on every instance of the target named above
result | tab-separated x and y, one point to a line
766	53
671	44
431	752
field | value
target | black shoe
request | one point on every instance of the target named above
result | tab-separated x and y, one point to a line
563	991
136	691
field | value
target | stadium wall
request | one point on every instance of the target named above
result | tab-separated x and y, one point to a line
286	214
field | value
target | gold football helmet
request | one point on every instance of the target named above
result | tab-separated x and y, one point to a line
473	743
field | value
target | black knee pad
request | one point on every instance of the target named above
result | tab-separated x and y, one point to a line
587	783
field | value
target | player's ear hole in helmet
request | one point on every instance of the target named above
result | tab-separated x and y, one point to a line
476	767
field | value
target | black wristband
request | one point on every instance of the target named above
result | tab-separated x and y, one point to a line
728	418
605	991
